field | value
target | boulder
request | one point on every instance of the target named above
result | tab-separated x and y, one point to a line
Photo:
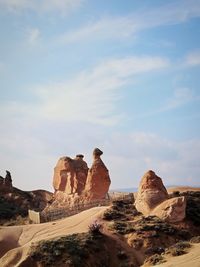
98	179
171	210
151	193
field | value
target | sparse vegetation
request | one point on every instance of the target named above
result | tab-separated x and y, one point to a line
195	239
95	227
178	249
155	259
75	249
8	210
123	227
193	207
112	215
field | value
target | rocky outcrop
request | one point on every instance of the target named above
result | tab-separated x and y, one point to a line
70	175
171	210
151	193
81	171
98	180
74	184
7	181
153	199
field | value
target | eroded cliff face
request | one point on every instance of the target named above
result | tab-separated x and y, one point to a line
153	199
74	183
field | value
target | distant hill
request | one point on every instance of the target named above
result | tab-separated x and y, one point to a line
128	190
170	188
15	202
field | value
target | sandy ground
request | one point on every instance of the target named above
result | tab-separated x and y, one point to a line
191	259
182	189
15	241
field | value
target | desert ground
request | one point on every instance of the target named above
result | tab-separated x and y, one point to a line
192	258
15	241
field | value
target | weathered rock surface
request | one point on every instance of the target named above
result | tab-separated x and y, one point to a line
81	171
70	175
151	193
171	210
153	199
98	180
75	185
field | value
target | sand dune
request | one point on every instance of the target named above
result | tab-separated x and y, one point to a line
191	259
15	241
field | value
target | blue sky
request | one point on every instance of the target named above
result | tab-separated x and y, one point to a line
123	76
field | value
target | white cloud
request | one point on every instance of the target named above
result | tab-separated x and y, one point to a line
123	27
192	59
40	6
33	36
92	95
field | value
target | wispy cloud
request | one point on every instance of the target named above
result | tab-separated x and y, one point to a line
180	97
192	59
126	26
40	6
92	95
33	36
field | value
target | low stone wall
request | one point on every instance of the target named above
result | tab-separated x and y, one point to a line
34	216
59	213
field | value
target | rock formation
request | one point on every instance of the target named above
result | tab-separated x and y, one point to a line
153	199
81	170
74	184
151	193
70	175
98	180
172	210
7	181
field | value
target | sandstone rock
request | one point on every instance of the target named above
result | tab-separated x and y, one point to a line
76	186
64	173
153	199
70	175
171	210
81	171
151	193
98	180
